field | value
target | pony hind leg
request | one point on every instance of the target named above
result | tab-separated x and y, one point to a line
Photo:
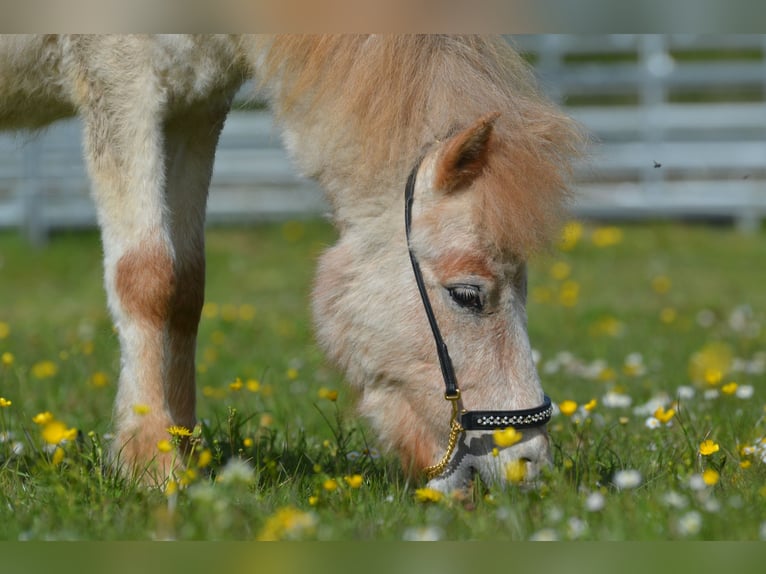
150	186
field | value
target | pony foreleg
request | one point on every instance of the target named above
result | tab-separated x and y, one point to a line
151	209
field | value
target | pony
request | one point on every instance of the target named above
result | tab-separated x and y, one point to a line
488	160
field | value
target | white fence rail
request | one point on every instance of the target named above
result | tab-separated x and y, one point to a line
679	127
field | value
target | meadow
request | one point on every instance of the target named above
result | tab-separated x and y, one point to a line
649	338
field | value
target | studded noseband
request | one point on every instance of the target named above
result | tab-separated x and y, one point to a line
461	420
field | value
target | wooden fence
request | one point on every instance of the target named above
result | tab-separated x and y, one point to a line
678	123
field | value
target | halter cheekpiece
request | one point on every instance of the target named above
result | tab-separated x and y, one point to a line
463	420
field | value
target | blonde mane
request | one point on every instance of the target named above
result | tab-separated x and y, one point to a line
393	96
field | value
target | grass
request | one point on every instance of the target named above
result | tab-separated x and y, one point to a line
638	313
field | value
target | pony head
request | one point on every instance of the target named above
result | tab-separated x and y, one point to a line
483	202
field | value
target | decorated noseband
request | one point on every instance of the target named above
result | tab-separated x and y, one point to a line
461	420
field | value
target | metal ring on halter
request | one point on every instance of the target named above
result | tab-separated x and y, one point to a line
465	420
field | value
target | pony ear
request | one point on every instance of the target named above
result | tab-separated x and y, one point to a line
464	155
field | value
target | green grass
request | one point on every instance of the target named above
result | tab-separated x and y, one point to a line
296	441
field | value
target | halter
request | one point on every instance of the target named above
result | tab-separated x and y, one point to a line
461	420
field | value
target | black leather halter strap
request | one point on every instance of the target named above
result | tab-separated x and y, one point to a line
469	420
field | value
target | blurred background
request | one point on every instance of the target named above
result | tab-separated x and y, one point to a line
678	125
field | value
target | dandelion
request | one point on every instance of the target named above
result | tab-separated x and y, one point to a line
661	284
164	445
506	437
570	236
7	359
330	395
664	415
567	407
141	409
99	379
55	432
668	315
627	479
205	458
708	447
5	403
288	523
569	293
710	477
42	418
330	485
516	471
44	369
179	431
58	456
560	270
729	388
428	495
353	481
606	236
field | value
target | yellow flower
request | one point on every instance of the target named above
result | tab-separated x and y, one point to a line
266	420
44	369
330	395
236	385
4	403
354	481
560	270
179	431
516	471
571	235
606	236
710	477
567	407
661	284
171	487
7	359
99	379
42	418
330	485
288	523
729	388
246	312
745	464
205	458
253	385
428	495
506	437
164	445
292	373
210	310
711	363
247	443
590	405
55	432
5	330
313	500
141	410
668	315
708	447
663	415
569	293
58	456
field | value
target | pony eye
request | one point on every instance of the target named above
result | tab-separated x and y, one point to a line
467	296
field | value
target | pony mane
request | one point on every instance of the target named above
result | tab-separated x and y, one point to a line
392	97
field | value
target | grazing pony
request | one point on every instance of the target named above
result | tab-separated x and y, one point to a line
456	121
